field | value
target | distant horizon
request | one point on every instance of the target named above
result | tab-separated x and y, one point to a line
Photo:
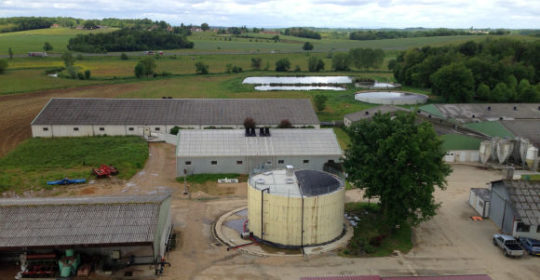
345	14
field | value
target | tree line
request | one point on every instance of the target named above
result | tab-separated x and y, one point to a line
302	32
494	70
392	34
24	23
130	39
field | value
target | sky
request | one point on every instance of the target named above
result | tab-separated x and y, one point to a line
517	14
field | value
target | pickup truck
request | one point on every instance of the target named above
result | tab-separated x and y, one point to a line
532	246
508	244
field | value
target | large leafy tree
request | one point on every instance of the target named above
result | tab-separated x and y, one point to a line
454	82
399	161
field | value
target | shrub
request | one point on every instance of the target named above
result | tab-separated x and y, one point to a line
124	56
283	65
3	66
285	124
87	74
256	63
307	46
201	68
80	75
249	123
174	130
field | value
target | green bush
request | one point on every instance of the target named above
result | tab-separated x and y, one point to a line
124	56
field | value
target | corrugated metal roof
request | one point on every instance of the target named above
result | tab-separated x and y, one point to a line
491	128
103	111
38	222
368	113
233	142
489	111
525	200
453	142
529	129
483	193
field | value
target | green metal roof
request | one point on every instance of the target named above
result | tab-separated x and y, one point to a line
493	128
433	110
452	142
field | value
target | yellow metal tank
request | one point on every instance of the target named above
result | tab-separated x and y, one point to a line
296	208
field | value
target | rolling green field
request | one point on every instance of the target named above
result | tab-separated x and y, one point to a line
38	160
32	40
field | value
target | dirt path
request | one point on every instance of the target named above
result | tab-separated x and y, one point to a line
18	110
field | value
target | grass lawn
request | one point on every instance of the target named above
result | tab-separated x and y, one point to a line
38	160
342	137
368	240
22	42
16	81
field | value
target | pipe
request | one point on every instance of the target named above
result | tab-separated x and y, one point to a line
244	226
262	211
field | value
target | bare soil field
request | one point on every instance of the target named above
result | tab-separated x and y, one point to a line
18	110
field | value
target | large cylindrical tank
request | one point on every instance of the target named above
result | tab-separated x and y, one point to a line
302	208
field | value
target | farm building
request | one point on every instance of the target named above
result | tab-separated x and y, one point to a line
105	232
296	208
515	207
469	112
71	117
231	151
479	200
349	119
461	148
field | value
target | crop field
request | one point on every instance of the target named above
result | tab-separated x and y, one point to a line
32	40
44	159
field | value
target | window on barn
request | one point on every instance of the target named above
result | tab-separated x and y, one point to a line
306	160
45	129
239	162
75	129
538	229
521	227
188	162
214	162
101	129
156	129
131	129
280	161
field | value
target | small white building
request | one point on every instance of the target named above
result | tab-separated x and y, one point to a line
76	117
479	200
231	151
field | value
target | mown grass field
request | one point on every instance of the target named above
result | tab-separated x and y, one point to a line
22	42
38	160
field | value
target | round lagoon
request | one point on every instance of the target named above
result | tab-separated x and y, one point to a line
391	97
308	80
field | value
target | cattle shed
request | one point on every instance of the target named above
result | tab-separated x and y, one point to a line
72	117
103	232
515	207
231	151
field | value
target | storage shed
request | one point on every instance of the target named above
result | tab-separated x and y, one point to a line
515	207
479	200
289	208
112	229
231	151
71	117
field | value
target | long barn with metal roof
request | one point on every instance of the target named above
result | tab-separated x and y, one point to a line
68	117
231	151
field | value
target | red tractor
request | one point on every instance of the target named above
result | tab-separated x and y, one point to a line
105	171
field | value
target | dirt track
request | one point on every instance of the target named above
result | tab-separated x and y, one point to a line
18	110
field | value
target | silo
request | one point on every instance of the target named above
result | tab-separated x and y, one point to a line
296	208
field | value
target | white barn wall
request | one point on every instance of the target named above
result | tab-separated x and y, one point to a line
462	156
201	165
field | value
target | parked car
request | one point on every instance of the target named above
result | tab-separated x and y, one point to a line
149	52
508	244
532	246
